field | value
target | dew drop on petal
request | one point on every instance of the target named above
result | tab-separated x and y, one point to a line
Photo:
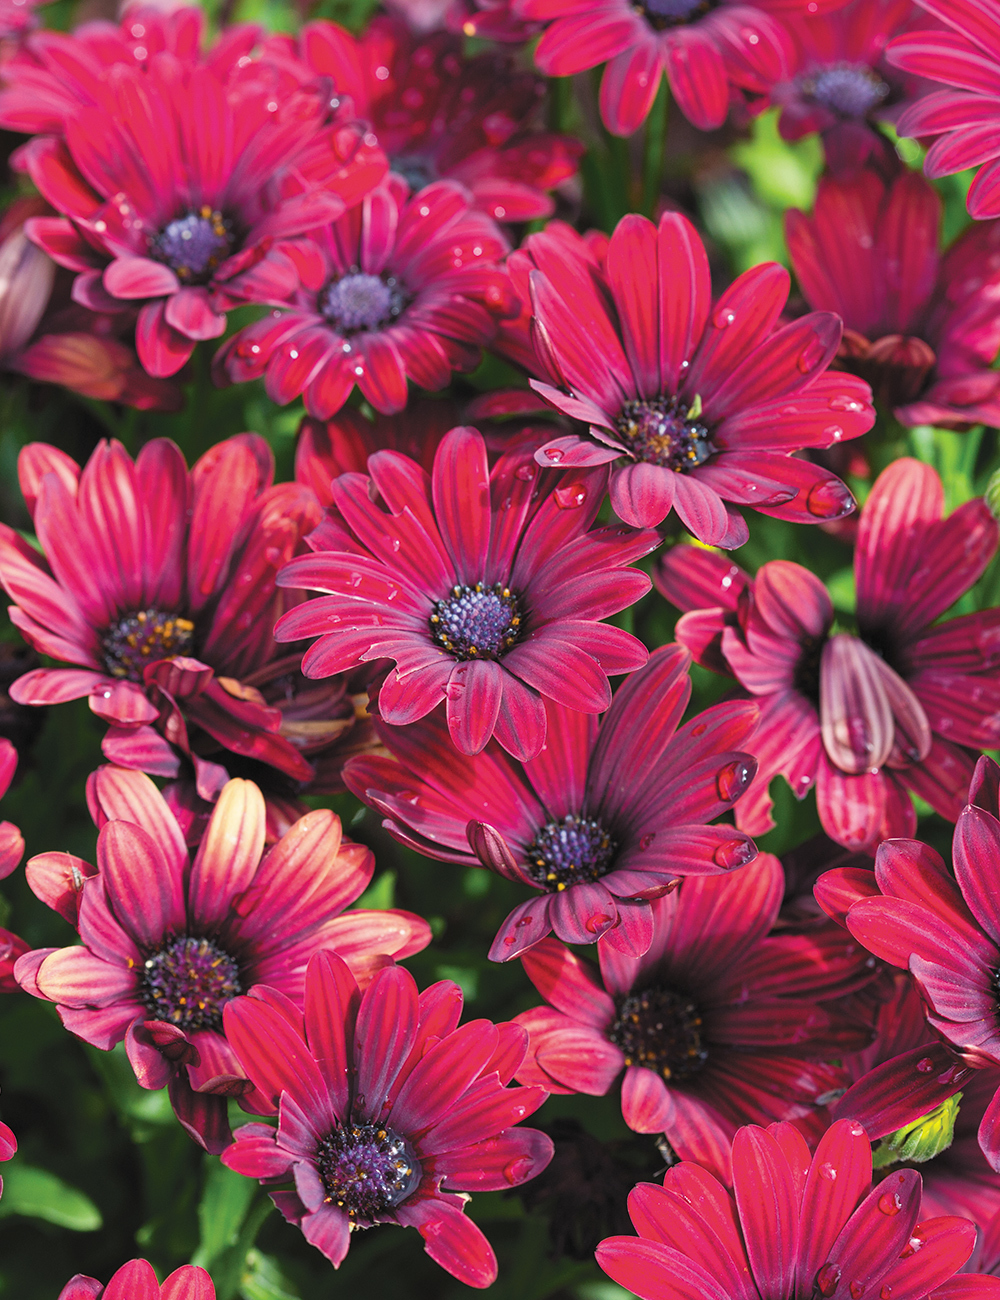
517	1170
842	402
834	432
570	497
647	840
925	1065
732	780
810	356
723	318
827	1279
595	922
828	1171
734	853
525	472
857	1290
553	454
885	1293
829	499
700	729
889	1203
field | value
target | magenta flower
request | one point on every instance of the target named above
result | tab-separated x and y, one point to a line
386	1109
715	1026
700	406
440	115
482	591
397	289
604	819
167	942
866	717
712	54
795	1226
921	327
840	85
159	584
180	226
137	1281
966	115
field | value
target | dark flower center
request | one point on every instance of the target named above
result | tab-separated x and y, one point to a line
850	90
195	244
672	13
663	431
570	852
367	1170
143	637
415	169
477	622
661	1029
806	678
358	301
188	982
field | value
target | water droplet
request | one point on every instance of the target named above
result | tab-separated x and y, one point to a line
647	840
828	1171
517	1170
595	922
732	780
834	432
395	543
700	729
553	454
844	403
734	853
857	1290
723	318
525	472
890	1203
509	939
827	1279
571	496
925	1065
810	356
829	499
885	1293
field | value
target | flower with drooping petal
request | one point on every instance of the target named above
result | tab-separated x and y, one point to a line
712	52
840	85
167	942
867	718
399	288
716	1025
388	1112
605	818
440	115
700	406
797	1225
483	590
158	583
966	116
922	327
944	929
137	1281
184	194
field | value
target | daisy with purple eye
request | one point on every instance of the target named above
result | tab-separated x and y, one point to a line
483	590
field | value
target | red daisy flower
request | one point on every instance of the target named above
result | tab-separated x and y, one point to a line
840	85
137	1281
715	1026
159	583
966	116
166	943
795	1226
604	819
712	51
922	327
386	1110
701	406
399	288
12	946
944	929
865	717
439	115
484	591
184	195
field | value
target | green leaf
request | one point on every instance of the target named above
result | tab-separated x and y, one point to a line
38	1194
381	893
263	1280
221	1211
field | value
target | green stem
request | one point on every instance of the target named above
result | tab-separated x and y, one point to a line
560	103
653	149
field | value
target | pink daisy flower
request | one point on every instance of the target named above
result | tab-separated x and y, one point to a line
484	591
137	1281
795	1226
712	52
922	327
167	942
603	820
397	289
159	584
716	1025
966	116
700	406
440	115
182	195
943	928
897	707
388	1112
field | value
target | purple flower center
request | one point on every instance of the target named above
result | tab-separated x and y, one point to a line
672	13
477	622
572	851
660	1029
143	637
188	982
415	169
850	90
366	1170
358	301
661	431
194	245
